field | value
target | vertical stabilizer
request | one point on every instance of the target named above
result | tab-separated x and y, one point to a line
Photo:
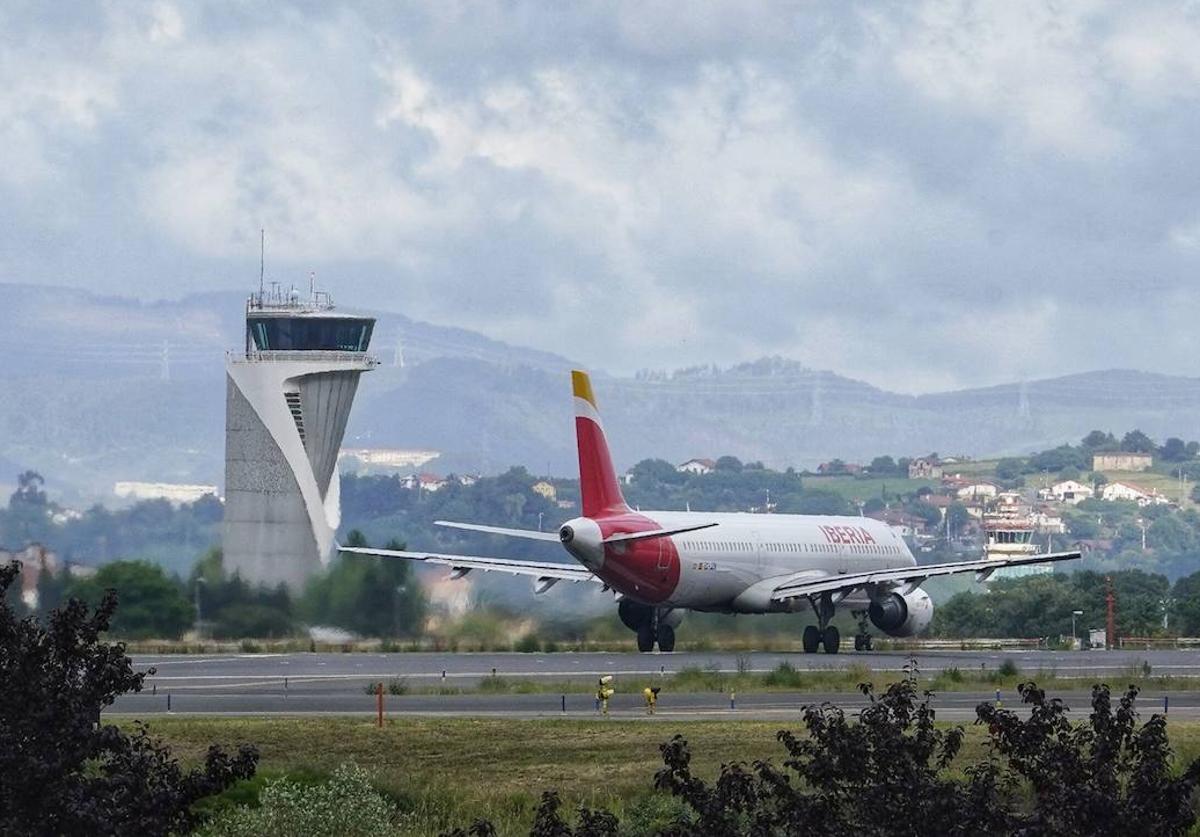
598	487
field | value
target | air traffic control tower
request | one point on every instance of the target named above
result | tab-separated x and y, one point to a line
288	395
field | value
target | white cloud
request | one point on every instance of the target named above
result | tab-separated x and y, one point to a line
856	186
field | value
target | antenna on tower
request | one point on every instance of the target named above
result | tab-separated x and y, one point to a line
262	260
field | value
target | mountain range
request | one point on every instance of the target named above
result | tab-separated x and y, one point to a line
96	389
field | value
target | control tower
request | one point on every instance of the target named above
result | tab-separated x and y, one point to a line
288	395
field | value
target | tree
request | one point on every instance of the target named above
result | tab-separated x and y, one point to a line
657	470
883	466
728	463
1009	468
1135	441
957	518
1186	597
367	595
1099	440
62	771
153	605
1174	450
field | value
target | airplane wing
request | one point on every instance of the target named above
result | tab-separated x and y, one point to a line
545	573
499	530
805	584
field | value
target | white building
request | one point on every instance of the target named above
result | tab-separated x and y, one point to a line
174	492
1127	491
288	396
697	466
387	458
977	491
1072	492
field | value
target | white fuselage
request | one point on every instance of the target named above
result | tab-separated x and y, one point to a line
735	565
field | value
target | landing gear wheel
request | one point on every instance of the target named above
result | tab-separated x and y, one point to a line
811	639
862	642
830	638
645	638
858	642
666	638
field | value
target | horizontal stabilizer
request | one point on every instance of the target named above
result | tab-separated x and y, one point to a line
500	530
626	537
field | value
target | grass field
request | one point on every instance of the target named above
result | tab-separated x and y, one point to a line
862	489
785	678
445	773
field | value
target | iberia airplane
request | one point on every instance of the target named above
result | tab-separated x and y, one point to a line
660	564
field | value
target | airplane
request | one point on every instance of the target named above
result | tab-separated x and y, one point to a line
660	564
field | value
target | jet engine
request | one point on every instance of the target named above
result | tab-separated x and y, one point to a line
902	615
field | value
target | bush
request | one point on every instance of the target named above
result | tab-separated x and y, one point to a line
527	644
783	676
63	771
346	804
888	772
1008	668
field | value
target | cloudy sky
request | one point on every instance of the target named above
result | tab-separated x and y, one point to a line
919	194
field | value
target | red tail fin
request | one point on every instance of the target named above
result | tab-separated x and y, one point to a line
598	487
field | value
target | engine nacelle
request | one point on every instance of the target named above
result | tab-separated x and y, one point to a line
898	615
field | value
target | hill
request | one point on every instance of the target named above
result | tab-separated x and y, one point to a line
97	389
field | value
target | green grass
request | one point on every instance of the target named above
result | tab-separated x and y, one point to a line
864	488
445	773
787	678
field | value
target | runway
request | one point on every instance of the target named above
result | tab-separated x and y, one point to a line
264	684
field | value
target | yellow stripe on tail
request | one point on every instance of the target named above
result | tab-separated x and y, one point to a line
582	385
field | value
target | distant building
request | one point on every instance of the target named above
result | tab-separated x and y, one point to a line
977	491
385	458
546	489
423	482
839	468
1121	461
1068	491
466	479
1127	491
924	468
697	466
173	492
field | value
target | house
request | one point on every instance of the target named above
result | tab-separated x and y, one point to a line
838	467
906	525
1127	491
423	482
697	466
546	489
1121	461
467	479
974	492
925	468
1072	492
1047	521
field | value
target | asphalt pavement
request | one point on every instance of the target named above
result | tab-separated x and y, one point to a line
272	684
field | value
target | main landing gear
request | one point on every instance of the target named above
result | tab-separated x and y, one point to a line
821	634
862	640
651	625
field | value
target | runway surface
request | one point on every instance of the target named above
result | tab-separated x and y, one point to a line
263	684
